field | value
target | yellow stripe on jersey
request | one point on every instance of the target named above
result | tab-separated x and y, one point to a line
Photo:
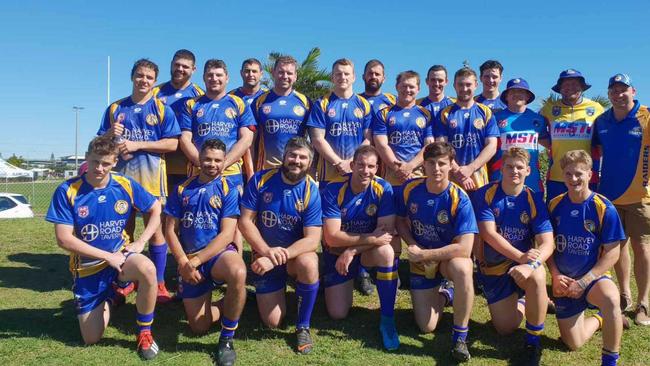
424	111
455	198
111	110
555	201
241	105
377	187
391	98
265	178
410	186
261	99
490	193
531	203
486	110
73	190
366	105
125	183
341	195
325	101
601	207
198	89
303	99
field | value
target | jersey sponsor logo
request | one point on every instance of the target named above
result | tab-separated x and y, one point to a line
524	139
300	205
89	232
479	123
101	199
267	197
425	231
578	130
574	213
344	105
443	217
215	106
524	218
420	122
272	126
121	207
215	201
218	128
230	113
137	110
358	113
282	102
413	208
645	164
574	244
331	113
556	110
187	219
345	128
200	113
151	119
269	219
405	138
299	111
178	95
371	210
83	211
636	132
406	114
266	109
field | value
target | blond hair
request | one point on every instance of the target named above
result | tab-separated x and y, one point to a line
576	157
516	153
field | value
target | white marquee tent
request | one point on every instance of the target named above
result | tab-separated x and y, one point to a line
8	171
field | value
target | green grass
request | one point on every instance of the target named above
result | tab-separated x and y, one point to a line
39	194
38	325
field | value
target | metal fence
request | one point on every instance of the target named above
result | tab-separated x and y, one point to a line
38	192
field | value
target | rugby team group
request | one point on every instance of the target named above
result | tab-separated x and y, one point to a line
455	182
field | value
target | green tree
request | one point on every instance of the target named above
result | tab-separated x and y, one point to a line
15	160
553	97
312	81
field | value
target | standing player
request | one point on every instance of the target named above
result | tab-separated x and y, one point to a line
587	235
491	76
511	219
145	129
175	93
359	222
222	116
281	113
204	211
623	133
339	123
373	79
520	127
436	220
570	124
471	129
90	213
436	100
281	219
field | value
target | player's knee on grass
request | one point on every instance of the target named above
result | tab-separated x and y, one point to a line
338	300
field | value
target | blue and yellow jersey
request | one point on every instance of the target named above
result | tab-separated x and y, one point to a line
381	101
496	105
200	207
217	119
282	209
523	130
570	128
517	218
279	118
151	121
435	107
626	152
176	98
358	212
467	131
345	122
98	216
581	229
436	219
248	99
406	130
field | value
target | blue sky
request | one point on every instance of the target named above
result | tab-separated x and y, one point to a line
55	52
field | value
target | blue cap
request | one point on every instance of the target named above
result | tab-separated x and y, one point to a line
620	79
568	74
517	83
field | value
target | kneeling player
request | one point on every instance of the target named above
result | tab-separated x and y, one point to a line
281	220
358	227
204	210
587	235
436	220
511	218
90	214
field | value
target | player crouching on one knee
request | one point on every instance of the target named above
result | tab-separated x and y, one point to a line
436	220
90	213
204	211
512	218
588	232
359	223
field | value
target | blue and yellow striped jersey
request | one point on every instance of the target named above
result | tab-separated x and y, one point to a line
435	107
248	99
496	105
381	101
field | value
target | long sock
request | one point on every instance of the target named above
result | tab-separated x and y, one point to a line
228	327
459	333
387	289
158	255
144	321
306	295
609	358
599	317
533	332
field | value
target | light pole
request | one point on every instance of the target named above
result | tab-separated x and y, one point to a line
76	136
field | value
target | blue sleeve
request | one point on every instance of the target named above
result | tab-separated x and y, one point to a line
378	124
170	126
246	118
185	121
367	120
142	200
317	117
331	209
254	110
428	129
173	205
465	221
387	202
483	210
60	211
399	201
541	223
250	196
230	205
611	230
438	128
313	215
491	128
106	122
595	139
542	129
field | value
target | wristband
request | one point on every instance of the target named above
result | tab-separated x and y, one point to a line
535	264
582	284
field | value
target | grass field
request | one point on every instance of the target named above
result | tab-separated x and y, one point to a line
39	194
38	325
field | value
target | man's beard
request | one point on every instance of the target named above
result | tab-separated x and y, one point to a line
294	177
371	88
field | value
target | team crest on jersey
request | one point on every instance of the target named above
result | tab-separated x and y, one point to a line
121	117
590	226
266	109
267	197
358	112
453	123
344	212
478	123
121	207
299	111
215	201
524	218
83	211
371	210
300	206
421	122
496	211
556	110
200	113
230	113
151	119
591	111
186	200
503	123
443	217
413	208
392	121
331	113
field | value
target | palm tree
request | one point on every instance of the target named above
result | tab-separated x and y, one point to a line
312	81
553	97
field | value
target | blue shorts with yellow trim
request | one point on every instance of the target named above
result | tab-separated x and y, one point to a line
331	277
237	181
420	281
271	281
187	290
93	290
497	288
567	307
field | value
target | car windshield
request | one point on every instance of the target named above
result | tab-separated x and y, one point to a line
21	199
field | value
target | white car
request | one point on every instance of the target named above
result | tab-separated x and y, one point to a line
14	206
